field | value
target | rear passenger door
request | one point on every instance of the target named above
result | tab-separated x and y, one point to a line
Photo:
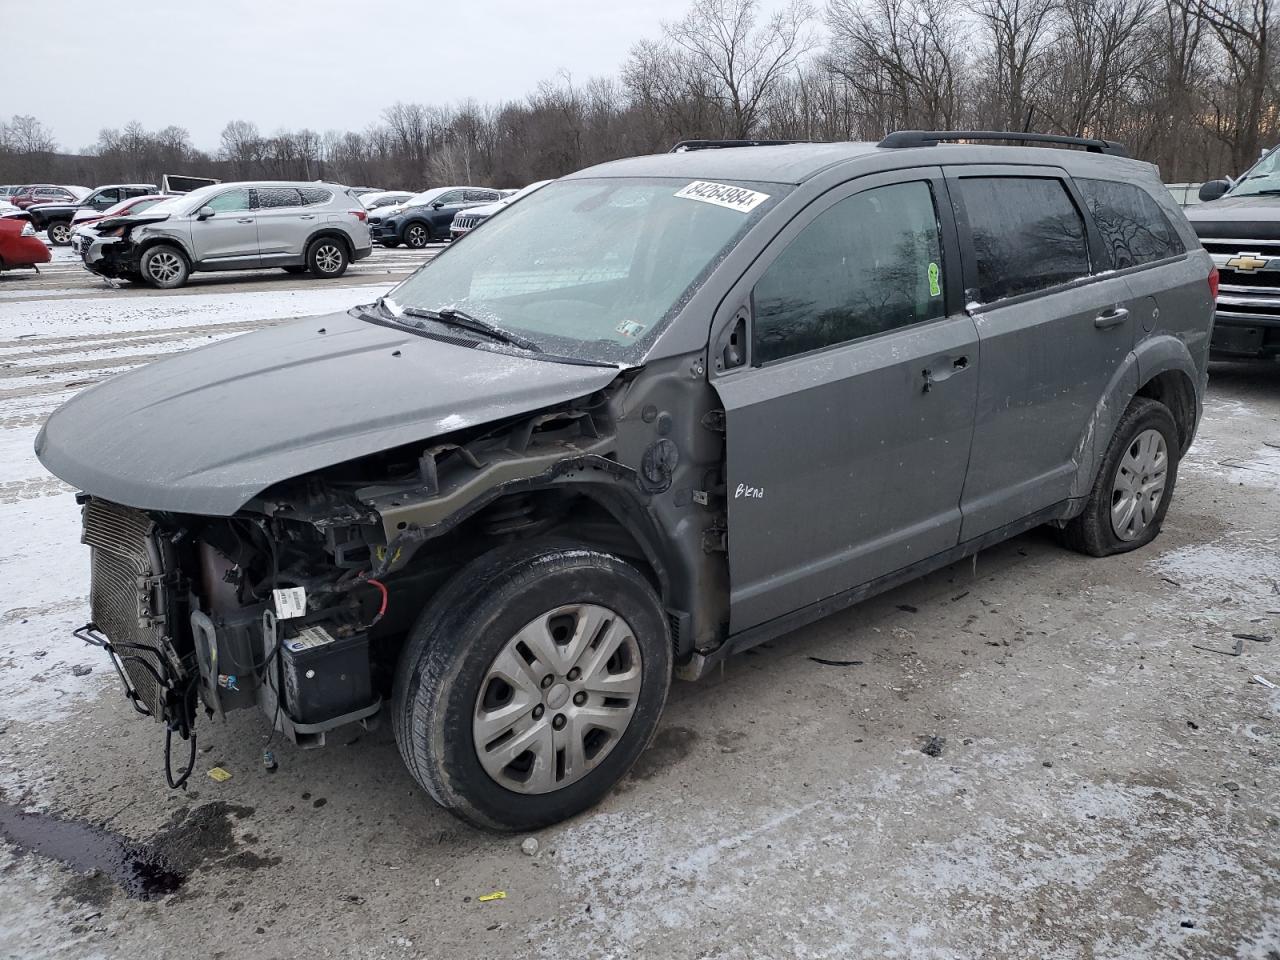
281	227
1053	326
848	417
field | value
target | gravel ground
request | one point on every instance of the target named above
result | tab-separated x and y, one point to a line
1031	758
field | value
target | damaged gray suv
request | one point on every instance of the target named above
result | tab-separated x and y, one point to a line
662	410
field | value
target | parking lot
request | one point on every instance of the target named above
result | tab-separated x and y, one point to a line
1033	754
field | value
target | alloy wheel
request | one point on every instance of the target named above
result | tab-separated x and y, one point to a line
557	699
59	233
416	236
1139	484
164	266
328	258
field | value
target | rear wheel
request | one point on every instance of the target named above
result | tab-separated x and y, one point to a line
165	267
531	683
59	233
417	235
327	257
1131	494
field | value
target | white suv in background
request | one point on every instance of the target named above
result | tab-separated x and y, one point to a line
318	227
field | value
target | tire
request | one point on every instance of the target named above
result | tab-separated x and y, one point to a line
294	269
1144	428
445	679
327	258
59	233
164	267
417	235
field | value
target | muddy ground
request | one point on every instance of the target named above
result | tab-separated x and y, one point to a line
1032	756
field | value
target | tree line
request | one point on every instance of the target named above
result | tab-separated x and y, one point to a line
1190	85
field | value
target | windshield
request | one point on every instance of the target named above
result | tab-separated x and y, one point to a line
1262	177
591	269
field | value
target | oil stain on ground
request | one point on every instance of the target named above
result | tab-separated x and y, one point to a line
139	869
143	870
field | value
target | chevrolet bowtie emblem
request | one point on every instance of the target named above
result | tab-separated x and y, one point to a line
1247	262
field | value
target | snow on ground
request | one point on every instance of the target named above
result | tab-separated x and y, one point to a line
49	350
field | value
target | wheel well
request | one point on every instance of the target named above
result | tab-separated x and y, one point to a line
333	234
1174	389
164	242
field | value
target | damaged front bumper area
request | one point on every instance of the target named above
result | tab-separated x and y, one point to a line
298	604
112	257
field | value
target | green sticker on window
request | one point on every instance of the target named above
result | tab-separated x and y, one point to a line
935	288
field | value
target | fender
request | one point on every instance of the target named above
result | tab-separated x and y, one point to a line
1167	354
328	231
1152	357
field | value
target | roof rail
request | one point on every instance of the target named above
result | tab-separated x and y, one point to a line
931	138
686	145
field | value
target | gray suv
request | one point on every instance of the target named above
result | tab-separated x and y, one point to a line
658	412
318	227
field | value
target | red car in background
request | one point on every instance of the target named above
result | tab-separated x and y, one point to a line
46	193
19	245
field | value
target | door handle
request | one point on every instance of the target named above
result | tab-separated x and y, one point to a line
958	365
1111	318
245	220
307	216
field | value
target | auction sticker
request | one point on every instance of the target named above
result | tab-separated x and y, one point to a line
723	195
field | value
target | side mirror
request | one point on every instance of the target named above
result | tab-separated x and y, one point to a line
204	213
438	205
1213	190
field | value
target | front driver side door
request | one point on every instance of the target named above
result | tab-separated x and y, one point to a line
848	425
229	238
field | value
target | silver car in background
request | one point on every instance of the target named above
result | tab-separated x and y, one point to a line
316	227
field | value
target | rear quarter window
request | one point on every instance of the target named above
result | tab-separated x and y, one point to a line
1133	227
312	195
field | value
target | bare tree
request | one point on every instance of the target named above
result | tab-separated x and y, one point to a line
1016	33
904	58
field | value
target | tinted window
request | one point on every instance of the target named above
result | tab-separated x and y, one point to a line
480	196
106	198
868	264
1133	227
230	202
312	195
1027	234
269	197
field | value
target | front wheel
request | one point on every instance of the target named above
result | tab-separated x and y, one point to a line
327	258
165	267
417	235
531	683
1131	494
59	233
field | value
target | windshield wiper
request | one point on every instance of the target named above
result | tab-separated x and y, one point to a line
451	316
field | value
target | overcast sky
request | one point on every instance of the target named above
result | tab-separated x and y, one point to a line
82	65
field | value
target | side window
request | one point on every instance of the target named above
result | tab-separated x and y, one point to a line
1133	227
453	196
1027	235
232	201
271	197
870	263
479	196
106	198
312	195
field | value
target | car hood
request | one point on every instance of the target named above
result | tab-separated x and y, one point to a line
484	210
1252	217
206	431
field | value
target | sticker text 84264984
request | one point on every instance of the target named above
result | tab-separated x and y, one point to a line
723	195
